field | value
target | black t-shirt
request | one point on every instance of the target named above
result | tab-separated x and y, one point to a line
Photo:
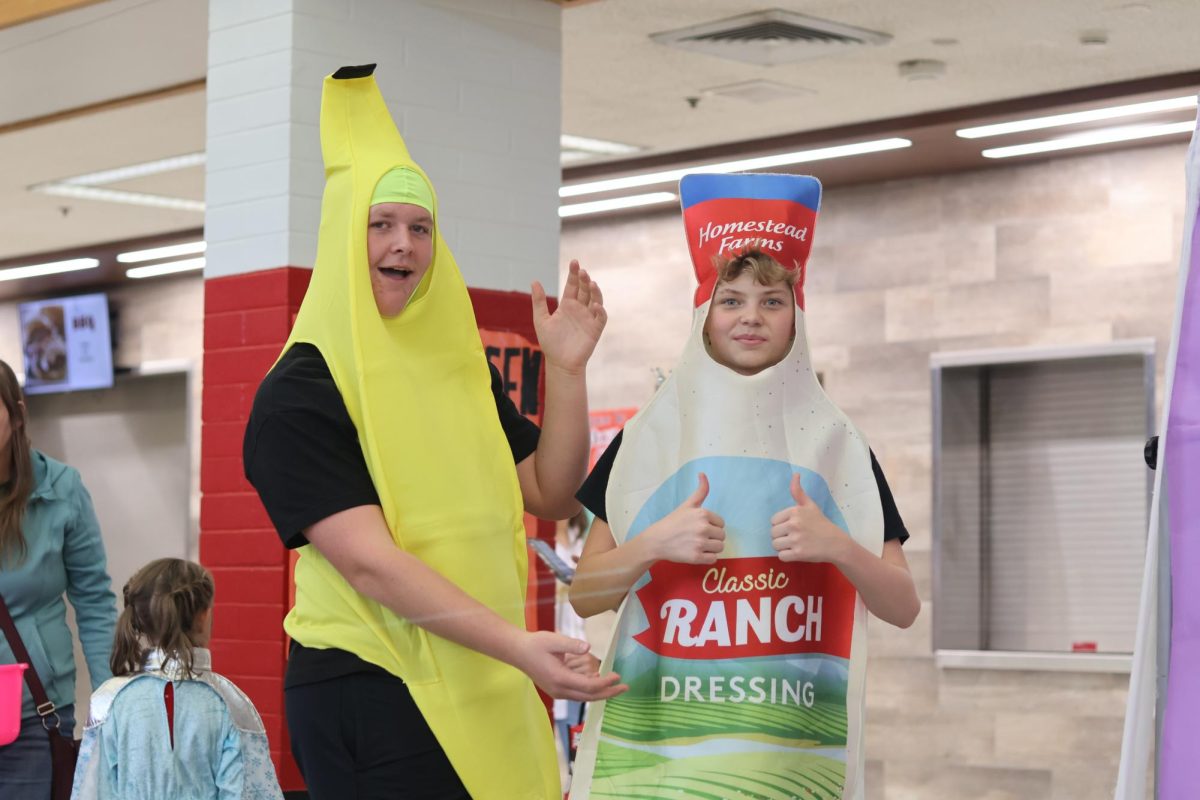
592	494
301	453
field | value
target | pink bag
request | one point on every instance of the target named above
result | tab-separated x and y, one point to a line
64	751
10	701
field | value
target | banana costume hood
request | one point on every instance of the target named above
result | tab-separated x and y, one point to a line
746	677
417	388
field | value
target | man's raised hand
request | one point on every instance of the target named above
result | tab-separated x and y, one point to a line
569	335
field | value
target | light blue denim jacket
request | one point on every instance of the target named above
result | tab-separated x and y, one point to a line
216	748
64	553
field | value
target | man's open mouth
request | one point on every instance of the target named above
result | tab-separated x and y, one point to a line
396	272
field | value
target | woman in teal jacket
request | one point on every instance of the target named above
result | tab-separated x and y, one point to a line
49	545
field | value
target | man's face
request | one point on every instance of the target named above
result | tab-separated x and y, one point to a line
750	326
399	250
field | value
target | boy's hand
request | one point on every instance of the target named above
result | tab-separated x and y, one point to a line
690	534
804	533
569	335
543	658
584	664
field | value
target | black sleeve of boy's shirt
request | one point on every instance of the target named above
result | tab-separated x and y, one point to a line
893	525
595	487
301	450
592	493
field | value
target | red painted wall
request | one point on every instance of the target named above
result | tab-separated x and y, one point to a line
247	318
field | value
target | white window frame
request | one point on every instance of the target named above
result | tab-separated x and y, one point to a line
1021	660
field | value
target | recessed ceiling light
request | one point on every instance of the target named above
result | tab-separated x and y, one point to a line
86	186
132	171
1091	138
741	165
1078	117
52	268
169	251
169	268
612	204
568	157
119	196
597	146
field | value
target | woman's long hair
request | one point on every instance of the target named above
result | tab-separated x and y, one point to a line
20	484
162	601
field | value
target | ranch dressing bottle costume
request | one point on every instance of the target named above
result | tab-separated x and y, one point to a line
417	388
746	677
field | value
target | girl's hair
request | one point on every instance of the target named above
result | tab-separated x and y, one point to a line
162	601
765	269
13	502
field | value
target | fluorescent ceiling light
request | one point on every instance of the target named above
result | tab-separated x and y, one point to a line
566	157
132	171
597	146
762	162
119	196
1091	138
596	206
170	251
53	268
169	268
1075	118
85	186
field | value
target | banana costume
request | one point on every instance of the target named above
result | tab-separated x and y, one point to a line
417	389
746	678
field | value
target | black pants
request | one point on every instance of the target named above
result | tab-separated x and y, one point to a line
361	736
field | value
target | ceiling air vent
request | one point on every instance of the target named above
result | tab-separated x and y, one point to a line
770	37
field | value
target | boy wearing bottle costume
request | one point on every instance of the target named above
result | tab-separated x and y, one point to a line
744	529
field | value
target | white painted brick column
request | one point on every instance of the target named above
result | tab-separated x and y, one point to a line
474	85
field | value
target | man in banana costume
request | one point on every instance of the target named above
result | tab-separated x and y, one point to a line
384	447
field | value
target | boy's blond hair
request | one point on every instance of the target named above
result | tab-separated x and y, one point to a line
764	269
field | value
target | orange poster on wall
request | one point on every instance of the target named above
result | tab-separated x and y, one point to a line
519	362
605	425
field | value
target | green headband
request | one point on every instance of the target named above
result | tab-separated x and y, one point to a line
403	185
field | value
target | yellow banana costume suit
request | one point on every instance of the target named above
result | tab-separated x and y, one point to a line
417	389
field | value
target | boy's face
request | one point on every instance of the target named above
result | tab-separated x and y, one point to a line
399	250
750	326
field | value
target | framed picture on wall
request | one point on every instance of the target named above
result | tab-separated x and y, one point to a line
66	344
